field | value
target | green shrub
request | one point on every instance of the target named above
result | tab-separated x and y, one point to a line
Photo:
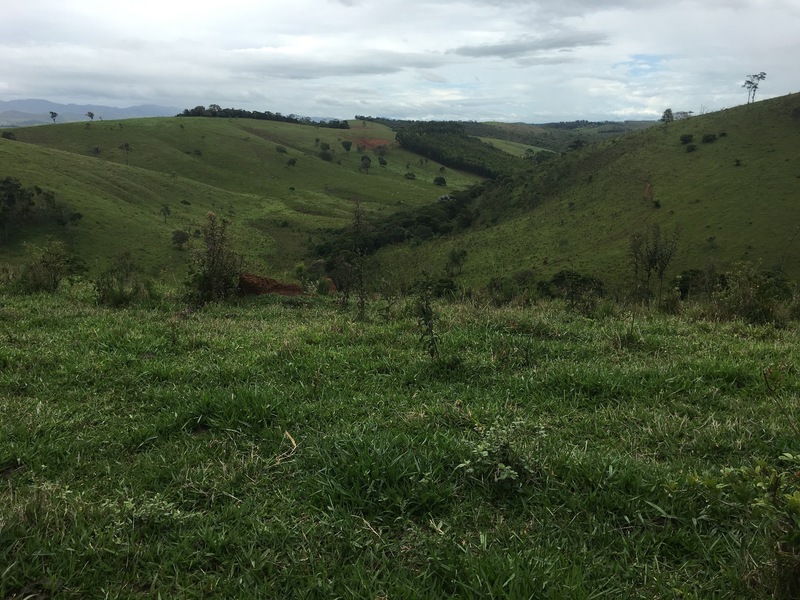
581	292
709	138
502	290
771	494
754	296
123	283
44	269
687	138
216	267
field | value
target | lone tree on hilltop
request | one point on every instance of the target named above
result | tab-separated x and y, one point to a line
90	114
667	117
751	85
53	115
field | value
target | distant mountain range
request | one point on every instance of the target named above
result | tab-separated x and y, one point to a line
20	113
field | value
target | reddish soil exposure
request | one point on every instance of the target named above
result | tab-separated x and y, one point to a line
372	143
254	285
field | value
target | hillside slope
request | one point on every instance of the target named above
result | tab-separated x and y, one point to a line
235	167
736	198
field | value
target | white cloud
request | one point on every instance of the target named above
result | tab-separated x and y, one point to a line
531	60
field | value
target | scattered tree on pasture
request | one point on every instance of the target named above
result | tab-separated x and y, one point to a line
347	144
180	238
53	115
651	253
165	212
455	262
126	147
667	117
90	114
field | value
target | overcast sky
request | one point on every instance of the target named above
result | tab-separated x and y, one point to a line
509	60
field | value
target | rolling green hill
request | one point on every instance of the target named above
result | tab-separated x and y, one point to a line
735	197
235	167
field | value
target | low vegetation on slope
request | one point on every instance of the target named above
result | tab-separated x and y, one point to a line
728	182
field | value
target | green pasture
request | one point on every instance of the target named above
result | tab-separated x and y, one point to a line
515	148
279	448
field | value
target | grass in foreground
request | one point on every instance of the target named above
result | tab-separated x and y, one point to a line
278	448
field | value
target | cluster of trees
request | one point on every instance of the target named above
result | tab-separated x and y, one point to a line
20	206
215	110
669	116
450	212
571	125
751	85
448	144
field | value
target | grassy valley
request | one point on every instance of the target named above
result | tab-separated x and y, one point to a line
423	437
237	168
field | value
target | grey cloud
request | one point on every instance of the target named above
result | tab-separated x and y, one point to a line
270	63
526	46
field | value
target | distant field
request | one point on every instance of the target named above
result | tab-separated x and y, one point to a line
514	148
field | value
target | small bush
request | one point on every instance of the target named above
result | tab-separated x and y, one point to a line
123	283
502	290
495	457
215	270
754	296
687	138
44	270
771	494
326	155
410	175
709	138
691	148
280	149
440	181
9	135
581	292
